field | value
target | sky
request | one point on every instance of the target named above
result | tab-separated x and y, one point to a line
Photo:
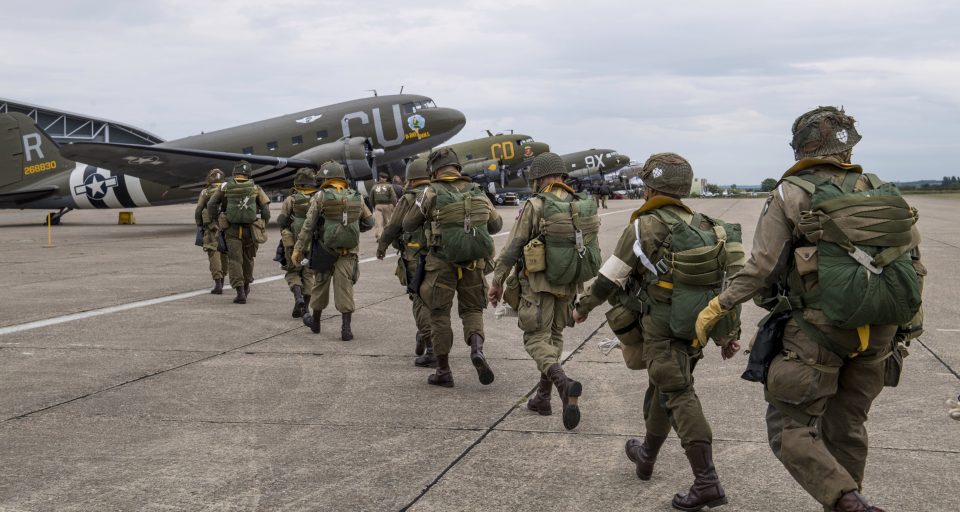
719	82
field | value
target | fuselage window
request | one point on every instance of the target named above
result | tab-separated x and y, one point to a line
272	146
322	134
248	150
297	140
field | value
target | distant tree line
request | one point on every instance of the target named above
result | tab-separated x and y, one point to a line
947	183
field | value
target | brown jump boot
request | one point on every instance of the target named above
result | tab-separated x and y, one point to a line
479	361
345	333
443	376
312	321
706	490
428	359
241	297
217	287
853	501
644	454
540	401
246	289
421	345
298	304
569	391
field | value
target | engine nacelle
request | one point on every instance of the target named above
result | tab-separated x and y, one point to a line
355	153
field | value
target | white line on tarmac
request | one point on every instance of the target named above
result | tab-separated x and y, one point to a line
949	330
160	300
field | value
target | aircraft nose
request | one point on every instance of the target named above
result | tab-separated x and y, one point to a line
443	122
539	147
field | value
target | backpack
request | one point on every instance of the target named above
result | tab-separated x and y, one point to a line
694	268
413	242
242	207
862	242
341	218
459	227
301	204
569	231
381	194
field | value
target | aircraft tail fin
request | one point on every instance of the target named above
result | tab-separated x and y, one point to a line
27	153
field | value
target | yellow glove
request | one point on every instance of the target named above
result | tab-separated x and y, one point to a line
297	257
707	319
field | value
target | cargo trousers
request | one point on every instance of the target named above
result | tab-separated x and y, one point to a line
542	318
824	447
241	250
381	216
421	313
219	263
442	282
344	275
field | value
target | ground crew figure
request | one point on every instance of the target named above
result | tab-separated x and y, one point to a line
604	193
458	220
243	203
384	198
293	213
828	222
554	241
413	250
331	233
668	262
211	231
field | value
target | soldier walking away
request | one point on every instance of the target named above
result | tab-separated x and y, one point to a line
668	262
243	204
604	192
413	252
383	197
331	234
293	213
553	248
211	231
829	222
458	220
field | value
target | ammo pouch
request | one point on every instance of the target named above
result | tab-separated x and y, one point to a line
413	286
893	366
199	240
766	346
259	229
625	324
534	256
321	259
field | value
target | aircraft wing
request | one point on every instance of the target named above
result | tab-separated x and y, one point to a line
174	167
27	195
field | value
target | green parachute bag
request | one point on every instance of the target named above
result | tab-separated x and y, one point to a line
341	212
863	240
242	207
569	230
700	261
301	205
461	222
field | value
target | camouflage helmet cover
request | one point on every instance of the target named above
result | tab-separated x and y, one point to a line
823	131
669	173
441	158
331	169
547	164
417	170
215	176
304	178
243	168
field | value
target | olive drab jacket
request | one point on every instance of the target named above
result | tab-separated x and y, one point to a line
777	236
413	243
524	230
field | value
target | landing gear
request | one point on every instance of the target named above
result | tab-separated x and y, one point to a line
55	217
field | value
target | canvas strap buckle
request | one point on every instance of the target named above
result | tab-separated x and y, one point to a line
865	259
581	248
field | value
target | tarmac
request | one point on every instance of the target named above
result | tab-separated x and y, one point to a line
126	386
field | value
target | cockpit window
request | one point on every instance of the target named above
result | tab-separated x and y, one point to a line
429	104
409	108
521	142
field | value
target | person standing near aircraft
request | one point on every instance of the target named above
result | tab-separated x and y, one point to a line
458	220
384	198
555	242
293	213
218	261
604	192
331	234
413	250
242	203
668	260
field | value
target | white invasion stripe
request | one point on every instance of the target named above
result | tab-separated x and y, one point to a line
111	198
159	300
76	179
135	189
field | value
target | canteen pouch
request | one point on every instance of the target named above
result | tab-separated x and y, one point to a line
534	256
260	231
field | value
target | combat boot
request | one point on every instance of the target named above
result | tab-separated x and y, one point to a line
241	297
479	361
312	321
428	359
421	345
345	333
297	301
569	391
217	287
246	289
442	376
644	454
853	501
540	401
706	490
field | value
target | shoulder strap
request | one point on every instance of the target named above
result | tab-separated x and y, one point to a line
638	250
874	180
808	186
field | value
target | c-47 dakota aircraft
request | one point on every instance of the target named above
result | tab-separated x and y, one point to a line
56	160
590	166
497	161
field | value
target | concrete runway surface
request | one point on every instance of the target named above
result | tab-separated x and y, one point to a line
122	390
